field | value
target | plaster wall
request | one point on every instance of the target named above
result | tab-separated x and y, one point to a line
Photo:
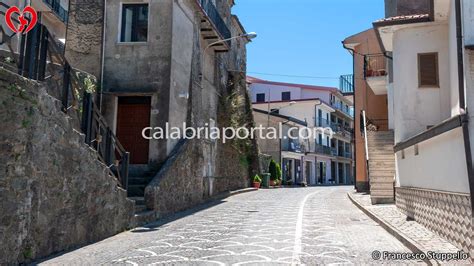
440	164
418	108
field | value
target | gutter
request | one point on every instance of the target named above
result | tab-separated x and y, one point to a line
462	100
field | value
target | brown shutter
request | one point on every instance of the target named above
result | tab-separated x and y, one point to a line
428	70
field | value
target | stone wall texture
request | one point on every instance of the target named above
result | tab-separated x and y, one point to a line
84	35
447	214
54	194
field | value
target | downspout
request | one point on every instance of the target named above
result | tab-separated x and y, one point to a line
354	120
462	100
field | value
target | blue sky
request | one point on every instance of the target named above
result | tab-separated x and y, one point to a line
303	37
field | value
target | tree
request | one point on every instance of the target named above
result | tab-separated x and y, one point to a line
279	173
273	170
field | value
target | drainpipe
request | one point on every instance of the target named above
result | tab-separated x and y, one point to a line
354	120
462	100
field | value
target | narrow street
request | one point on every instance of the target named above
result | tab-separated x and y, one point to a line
278	226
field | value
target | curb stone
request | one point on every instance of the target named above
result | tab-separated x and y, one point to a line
409	243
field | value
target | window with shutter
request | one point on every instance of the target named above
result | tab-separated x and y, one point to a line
428	75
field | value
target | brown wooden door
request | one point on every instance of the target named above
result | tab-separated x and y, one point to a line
132	117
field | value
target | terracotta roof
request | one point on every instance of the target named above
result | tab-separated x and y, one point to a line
302	86
403	19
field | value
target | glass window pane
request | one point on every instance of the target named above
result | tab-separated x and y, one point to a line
134	23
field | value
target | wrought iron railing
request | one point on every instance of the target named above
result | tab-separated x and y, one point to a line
346	84
41	58
216	19
375	65
60	11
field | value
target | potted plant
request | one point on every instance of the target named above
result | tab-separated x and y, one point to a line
273	170
257	180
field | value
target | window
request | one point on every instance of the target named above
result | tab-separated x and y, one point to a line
286	96
428	75
134	23
260	97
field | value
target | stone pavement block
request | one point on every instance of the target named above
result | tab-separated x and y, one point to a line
414	234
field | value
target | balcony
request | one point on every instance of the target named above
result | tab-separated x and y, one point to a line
56	7
346	84
320	149
213	26
292	146
346	109
375	73
321	122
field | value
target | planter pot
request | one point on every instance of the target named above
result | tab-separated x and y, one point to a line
256	185
272	183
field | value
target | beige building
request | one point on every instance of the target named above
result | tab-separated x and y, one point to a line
324	158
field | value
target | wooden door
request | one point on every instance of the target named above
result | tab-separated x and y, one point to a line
133	116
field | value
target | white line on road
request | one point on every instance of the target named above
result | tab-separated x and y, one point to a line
298	231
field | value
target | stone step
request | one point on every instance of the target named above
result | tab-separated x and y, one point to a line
139	180
140	170
378	186
381	192
138	200
140	208
382	199
145	217
136	190
381	175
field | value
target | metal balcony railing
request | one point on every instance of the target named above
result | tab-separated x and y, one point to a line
322	122
346	84
343	108
215	18
292	146
55	5
321	149
375	65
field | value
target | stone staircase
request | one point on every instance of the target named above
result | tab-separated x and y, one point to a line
381	166
138	178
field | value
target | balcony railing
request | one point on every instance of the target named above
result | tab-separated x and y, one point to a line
342	107
55	5
215	17
346	84
375	65
293	146
321	149
321	122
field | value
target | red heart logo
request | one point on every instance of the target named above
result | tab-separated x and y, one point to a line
21	19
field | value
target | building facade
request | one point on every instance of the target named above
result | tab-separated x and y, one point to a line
428	81
324	157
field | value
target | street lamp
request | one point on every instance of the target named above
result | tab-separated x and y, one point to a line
249	36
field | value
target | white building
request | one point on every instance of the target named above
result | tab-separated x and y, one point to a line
324	158
430	89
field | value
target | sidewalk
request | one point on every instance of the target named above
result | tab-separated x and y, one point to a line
414	235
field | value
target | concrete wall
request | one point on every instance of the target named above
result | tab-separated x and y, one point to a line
417	108
55	194
448	174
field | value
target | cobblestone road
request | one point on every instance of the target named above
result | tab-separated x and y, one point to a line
279	226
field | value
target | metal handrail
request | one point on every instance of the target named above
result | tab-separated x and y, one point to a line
39	54
366	143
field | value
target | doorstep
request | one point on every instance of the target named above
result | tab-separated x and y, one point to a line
413	235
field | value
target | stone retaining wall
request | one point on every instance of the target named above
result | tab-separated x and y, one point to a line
447	214
54	194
